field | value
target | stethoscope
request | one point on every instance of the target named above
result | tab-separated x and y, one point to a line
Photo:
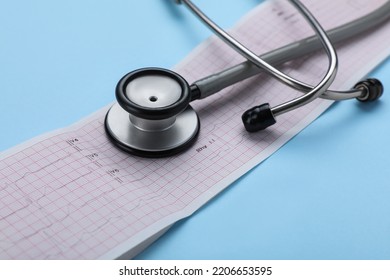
153	117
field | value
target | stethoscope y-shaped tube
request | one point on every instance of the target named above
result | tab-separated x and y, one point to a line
256	118
292	104
218	81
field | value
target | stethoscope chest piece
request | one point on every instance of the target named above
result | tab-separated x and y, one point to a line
153	117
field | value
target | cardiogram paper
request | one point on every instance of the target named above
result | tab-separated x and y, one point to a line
71	194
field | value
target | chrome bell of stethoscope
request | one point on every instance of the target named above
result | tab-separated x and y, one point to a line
153	117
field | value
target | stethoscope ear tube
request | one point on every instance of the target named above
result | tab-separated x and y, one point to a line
218	81
260	117
308	96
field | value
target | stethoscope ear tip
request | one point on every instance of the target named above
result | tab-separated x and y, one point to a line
258	118
373	89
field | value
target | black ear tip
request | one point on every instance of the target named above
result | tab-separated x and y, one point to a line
374	89
258	118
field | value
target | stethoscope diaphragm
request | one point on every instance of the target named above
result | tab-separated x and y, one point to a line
153	117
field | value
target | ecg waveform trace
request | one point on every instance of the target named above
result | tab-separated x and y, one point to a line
73	195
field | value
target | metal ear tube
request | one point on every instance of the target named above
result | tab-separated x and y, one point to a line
260	117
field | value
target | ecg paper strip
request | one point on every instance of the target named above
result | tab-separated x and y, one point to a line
72	195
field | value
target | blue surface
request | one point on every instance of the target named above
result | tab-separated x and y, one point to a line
324	195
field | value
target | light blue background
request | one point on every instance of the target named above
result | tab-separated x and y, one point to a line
324	195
